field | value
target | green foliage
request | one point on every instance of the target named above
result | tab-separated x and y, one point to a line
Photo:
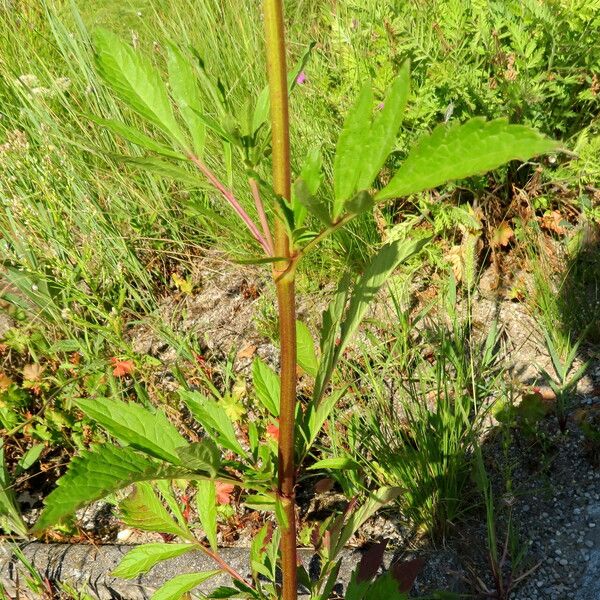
178	587
459	151
136	426
95	474
143	509
138	83
142	558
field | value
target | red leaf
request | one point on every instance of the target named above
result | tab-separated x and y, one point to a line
273	431
121	367
370	562
224	492
405	573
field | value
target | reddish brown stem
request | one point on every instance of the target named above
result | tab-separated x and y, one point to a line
229	196
284	279
262	217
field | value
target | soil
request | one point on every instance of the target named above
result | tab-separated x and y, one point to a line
554	497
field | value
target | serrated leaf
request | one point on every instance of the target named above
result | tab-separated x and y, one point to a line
136	81
454	151
136	137
347	162
306	355
317	414
206	501
142	509
212	416
203	456
383	132
142	558
175	588
267	386
136	426
185	91
95	474
359	203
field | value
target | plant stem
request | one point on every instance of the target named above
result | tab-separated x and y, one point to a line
260	209
229	196
277	74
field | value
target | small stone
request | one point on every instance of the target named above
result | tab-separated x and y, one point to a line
124	534
564	562
589	543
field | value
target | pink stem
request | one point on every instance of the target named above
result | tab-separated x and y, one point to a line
228	195
260	209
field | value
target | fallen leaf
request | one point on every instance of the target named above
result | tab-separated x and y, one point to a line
552	221
121	367
32	372
224	492
183	285
273	431
324	485
502	235
247	351
5	382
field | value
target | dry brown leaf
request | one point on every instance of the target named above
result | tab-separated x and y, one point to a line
503	235
247	351
32	372
551	221
5	382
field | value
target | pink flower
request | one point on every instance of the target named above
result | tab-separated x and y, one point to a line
301	79
381	106
224	491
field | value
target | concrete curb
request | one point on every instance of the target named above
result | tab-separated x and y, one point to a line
88	568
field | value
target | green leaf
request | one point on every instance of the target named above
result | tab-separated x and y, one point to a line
329	331
30	457
375	275
206	501
93	475
335	464
348	155
142	558
384	129
267	386
136	137
163	168
359	203
135	80
185	91
175	588
317	413
203	456
376	500
261	110
10	515
258	546
306	187
454	151
211	415
143	509
136	426
306	356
